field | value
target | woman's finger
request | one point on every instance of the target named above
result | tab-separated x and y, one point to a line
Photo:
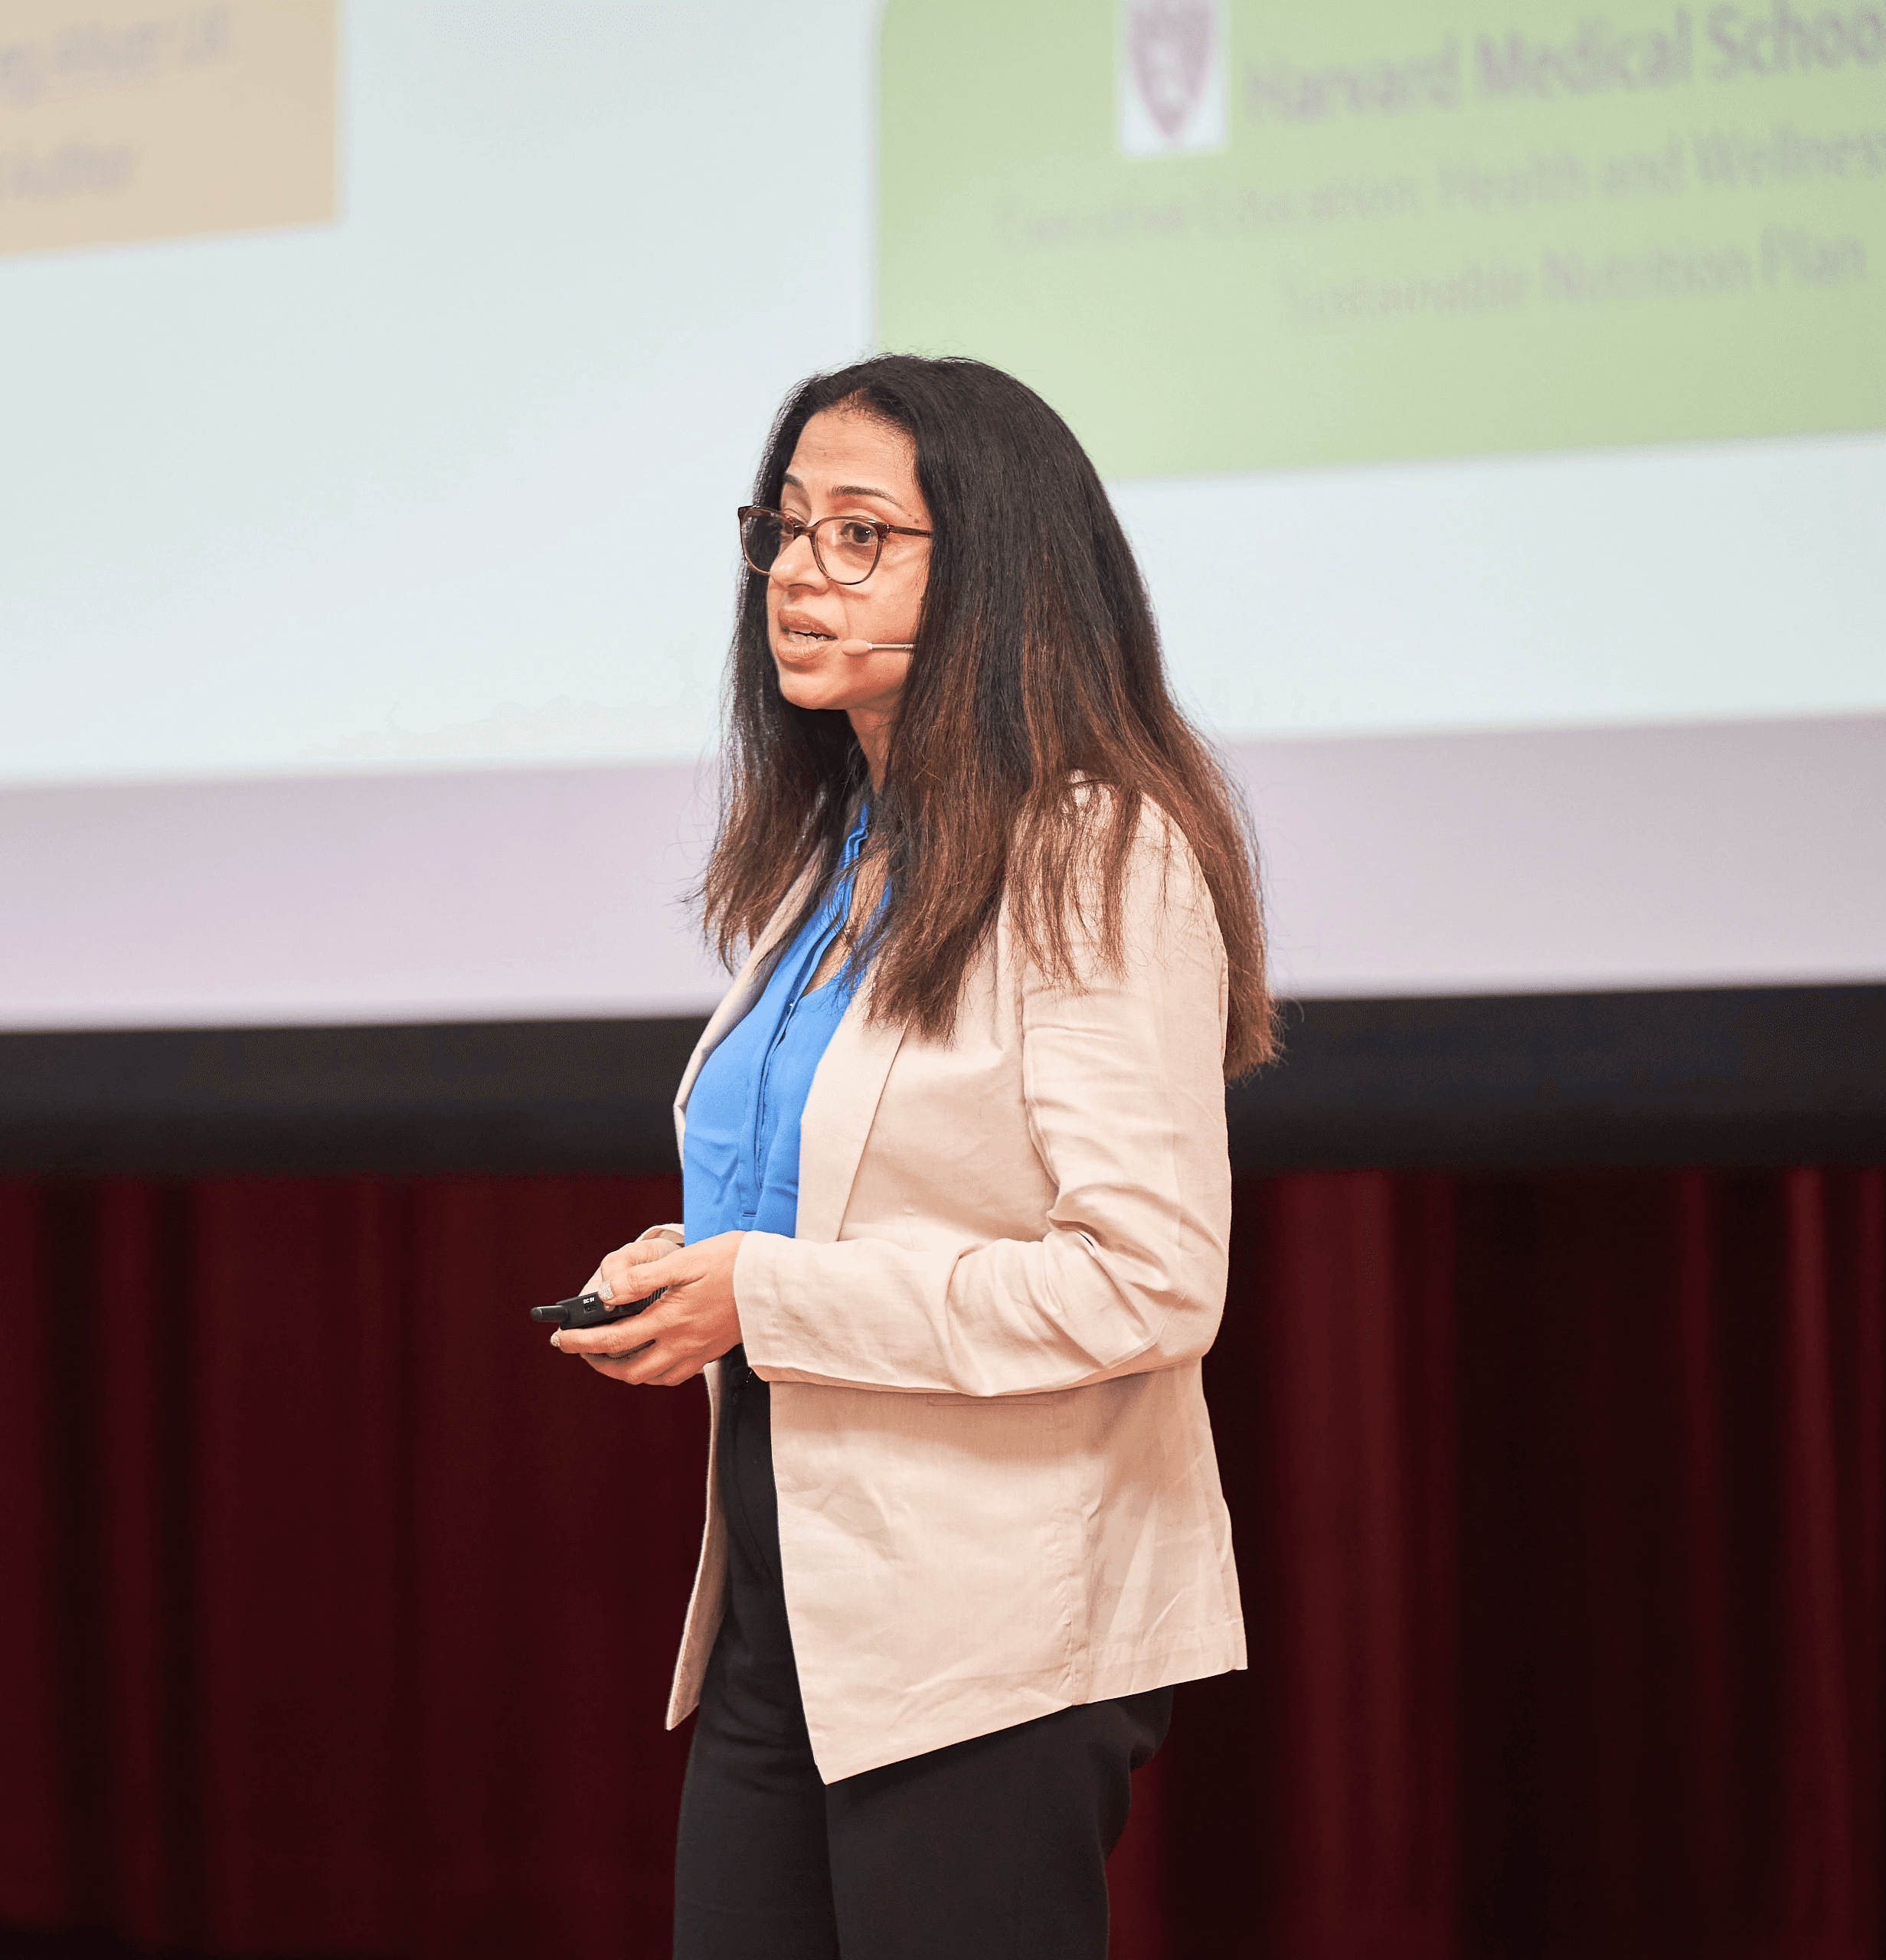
633	1370
645	1368
625	1340
643	1371
615	1344
611	1365
617	1337
670	1362
627	1275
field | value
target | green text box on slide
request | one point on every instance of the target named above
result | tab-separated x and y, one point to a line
1376	231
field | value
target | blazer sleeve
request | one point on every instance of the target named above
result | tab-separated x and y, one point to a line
1123	1089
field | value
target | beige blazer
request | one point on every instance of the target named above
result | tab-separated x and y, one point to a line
997	1493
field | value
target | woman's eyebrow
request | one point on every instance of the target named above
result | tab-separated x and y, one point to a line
850	490
863	490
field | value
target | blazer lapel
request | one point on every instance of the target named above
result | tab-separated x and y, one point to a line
840	1109
749	983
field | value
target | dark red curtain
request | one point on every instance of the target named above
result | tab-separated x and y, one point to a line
336	1611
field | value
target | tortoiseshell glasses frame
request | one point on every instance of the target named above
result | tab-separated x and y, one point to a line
855	542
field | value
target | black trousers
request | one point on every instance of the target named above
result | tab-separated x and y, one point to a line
994	1848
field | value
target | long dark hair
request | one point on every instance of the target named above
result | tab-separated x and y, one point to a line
1036	657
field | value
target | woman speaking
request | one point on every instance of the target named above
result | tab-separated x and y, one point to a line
956	1194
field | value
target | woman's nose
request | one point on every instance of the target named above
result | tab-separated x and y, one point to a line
797	564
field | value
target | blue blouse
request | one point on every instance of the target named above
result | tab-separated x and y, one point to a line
740	1154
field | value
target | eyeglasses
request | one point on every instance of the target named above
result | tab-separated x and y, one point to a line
847	553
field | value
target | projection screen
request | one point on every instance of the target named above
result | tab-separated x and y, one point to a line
1495	393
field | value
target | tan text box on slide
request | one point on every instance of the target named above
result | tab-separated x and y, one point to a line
122	120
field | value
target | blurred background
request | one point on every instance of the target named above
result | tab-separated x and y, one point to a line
1494	396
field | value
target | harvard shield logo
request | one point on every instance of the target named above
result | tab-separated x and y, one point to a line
1172	82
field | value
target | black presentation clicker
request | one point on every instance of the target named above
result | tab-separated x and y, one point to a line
592	1310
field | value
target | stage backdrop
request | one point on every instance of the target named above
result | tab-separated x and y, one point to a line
338	1610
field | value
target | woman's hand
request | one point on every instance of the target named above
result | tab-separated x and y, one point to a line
695	1322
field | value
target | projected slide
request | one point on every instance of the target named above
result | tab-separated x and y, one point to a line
1237	235
121	120
1395	329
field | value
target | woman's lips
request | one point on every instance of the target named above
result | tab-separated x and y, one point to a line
802	639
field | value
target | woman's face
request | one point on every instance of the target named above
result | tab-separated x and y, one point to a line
848	464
